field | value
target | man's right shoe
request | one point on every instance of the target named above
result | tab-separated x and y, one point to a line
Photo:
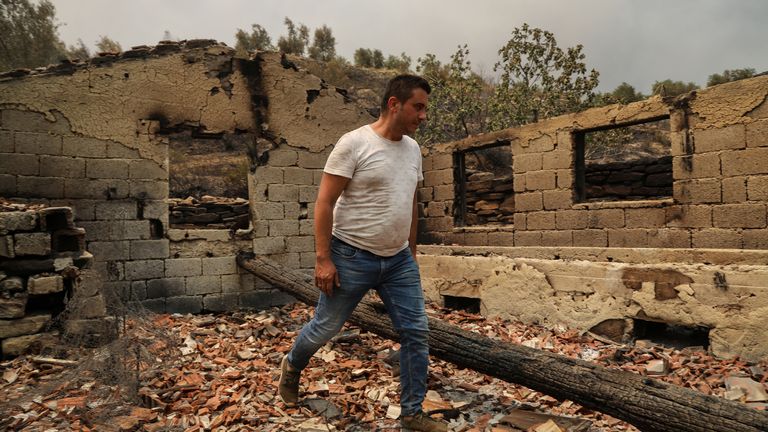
288	389
423	423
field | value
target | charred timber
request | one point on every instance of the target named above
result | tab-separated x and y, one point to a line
649	404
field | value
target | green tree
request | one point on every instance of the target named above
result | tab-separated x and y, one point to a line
107	45
79	51
456	107
377	59
730	75
672	88
625	93
29	35
323	45
297	39
400	64
257	40
539	79
363	57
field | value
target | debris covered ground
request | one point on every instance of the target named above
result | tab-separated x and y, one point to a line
220	372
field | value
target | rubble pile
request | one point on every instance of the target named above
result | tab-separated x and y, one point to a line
222	375
490	199
209	211
629	179
42	256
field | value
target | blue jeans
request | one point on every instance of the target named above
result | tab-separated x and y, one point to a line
397	281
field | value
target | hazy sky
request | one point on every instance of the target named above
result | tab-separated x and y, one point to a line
638	42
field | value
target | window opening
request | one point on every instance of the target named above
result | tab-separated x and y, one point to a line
484	186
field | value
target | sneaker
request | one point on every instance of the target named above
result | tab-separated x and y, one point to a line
288	389
422	422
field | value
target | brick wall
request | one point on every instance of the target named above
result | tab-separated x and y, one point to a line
719	169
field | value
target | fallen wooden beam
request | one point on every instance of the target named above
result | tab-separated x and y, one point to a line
649	404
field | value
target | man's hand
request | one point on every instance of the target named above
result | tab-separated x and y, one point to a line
326	277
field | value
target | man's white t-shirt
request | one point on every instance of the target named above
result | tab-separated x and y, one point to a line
374	212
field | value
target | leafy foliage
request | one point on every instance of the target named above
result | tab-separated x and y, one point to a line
257	40
730	75
366	57
400	64
105	44
539	79
324	45
297	39
672	88
79	51
29	35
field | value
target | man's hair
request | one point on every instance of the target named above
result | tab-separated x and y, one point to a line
402	87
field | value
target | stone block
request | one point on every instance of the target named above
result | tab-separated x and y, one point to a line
111	210
518	183
16	346
557	159
443	192
219	266
565	179
33	121
295	211
148	189
38	285
438	223
155	209
153	305
442	161
669	238
542	143
96	189
39	187
283	158
739	216
701	166
558	199
278	228
523	163
300	244
540	180
590	238
755	238
179	267
745	162
144	269
7	185
232	283
283	192
543	220
146	170
88	307
734	189
62	166
135	229
37	143
688	216
714	139
628	238
436	209
527	238
148	249
106	168
307	260
84	147
557	238
425	194
6	142
92	332
6	246
289	260
166	287
184	304
606	218
198	285
438	177
308	193
221	302
501	238
307	227
520	221
20	164
313	160
757	188
476	239
258	300
757	134
268	210
117	150
24	326
38	244
268	175
717	238
530	201
298	176
18	221
571	219
644	217
697	191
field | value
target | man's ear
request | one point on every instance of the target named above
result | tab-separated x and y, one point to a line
393	104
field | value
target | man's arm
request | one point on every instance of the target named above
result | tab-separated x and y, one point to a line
331	187
414	226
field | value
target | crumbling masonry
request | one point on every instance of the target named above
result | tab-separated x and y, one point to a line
95	137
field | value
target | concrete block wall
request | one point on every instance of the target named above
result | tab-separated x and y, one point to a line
719	167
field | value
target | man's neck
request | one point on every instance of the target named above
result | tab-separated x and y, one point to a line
385	128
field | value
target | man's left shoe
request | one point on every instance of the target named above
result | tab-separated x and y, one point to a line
423	423
288	388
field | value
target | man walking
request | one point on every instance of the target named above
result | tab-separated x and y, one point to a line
365	237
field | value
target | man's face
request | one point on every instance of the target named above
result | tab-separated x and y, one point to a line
410	114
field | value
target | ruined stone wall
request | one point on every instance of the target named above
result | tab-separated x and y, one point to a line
95	137
719	151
